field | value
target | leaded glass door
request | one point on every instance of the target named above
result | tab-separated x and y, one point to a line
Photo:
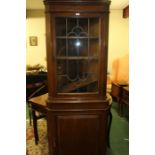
77	54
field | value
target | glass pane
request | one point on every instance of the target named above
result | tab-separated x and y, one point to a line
83	23
83	47
94	27
77	74
71	23
77	48
77	27
94	47
72	50
61	47
61	67
61	26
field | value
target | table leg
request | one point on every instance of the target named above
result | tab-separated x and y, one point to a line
35	127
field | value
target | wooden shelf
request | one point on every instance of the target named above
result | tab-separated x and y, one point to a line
76	57
78	84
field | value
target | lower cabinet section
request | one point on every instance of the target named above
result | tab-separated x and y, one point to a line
77	133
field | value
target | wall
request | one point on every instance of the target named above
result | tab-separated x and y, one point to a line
35	26
120	69
118	37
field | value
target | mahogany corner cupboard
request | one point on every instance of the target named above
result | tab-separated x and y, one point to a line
77	49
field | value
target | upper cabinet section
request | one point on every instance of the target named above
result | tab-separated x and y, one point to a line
77	41
85	6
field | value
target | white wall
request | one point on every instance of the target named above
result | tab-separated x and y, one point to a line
118	37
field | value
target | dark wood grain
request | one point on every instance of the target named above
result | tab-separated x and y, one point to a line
77	122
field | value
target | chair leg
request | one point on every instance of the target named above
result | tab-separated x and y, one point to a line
30	117
35	127
30	113
120	107
109	127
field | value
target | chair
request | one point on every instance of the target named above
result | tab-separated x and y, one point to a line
36	84
124	99
38	104
116	92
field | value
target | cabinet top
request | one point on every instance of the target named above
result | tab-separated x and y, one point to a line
77	1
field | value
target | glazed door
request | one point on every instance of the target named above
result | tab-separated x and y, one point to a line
77	54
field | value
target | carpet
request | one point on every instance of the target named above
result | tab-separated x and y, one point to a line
119	136
42	147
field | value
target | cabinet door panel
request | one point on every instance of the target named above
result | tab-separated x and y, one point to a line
77	47
78	135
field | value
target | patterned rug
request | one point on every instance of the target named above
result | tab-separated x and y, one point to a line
42	147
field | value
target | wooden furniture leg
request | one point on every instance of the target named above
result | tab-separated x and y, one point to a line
35	127
30	114
124	99
109	127
120	110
